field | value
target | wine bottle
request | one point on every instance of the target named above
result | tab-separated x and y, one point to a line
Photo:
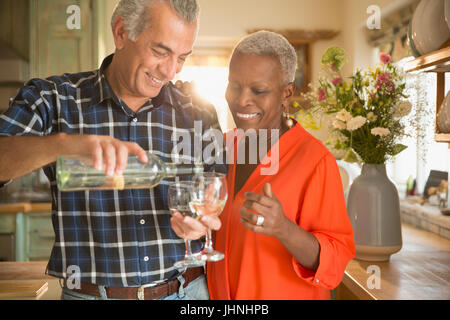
76	172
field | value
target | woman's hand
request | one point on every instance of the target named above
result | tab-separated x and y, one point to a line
193	229
267	206
303	245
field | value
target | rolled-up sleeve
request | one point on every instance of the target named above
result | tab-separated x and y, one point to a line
29	111
323	213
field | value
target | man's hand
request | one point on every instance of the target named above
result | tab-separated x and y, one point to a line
108	153
193	229
186	87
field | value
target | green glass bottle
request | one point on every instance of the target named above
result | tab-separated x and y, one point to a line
76	172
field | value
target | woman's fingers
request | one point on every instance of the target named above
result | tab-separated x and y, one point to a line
261	199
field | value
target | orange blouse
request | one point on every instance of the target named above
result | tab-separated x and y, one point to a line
257	266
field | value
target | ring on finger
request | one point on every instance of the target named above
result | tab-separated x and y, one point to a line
260	220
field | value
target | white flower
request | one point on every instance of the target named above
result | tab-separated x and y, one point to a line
344	115
380	132
402	108
356	123
371	117
338	124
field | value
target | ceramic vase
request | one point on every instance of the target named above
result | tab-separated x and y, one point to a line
429	26
374	209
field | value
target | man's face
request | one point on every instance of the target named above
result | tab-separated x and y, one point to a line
158	53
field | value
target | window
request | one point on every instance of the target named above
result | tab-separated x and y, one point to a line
211	83
423	153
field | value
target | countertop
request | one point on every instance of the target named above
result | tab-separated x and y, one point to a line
24	207
420	270
13	272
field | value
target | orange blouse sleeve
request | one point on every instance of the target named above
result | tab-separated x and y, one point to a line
323	213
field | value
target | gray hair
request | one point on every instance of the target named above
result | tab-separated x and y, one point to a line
134	13
273	44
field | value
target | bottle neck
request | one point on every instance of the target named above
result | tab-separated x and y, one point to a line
174	169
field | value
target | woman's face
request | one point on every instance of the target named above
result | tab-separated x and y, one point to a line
256	92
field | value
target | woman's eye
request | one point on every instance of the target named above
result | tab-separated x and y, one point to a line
258	91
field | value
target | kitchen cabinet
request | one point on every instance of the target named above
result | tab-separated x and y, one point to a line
37	32
54	47
31	226
38	236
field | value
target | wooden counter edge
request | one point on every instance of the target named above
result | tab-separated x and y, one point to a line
355	288
351	288
24	207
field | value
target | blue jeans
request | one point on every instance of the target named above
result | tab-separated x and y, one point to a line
196	290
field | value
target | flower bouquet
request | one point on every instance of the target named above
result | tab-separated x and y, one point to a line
368	108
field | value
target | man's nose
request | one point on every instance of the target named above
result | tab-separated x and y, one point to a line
168	68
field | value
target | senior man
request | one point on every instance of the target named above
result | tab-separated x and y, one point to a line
114	244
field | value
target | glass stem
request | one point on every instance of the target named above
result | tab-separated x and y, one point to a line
208	243
188	248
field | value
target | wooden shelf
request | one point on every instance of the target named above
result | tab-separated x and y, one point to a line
437	61
442	137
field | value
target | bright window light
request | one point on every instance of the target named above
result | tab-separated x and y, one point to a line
211	83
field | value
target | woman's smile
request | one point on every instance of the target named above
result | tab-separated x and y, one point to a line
247	116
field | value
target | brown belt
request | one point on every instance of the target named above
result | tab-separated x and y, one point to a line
158	291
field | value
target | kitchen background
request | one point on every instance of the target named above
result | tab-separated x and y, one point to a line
36	42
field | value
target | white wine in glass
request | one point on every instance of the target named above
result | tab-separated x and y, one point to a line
208	197
179	201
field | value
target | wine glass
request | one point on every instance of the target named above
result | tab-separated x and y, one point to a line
179	194
208	197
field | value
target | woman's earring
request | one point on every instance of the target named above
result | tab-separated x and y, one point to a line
288	119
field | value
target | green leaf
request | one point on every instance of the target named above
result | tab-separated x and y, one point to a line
350	156
397	149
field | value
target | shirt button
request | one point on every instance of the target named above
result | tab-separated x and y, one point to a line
142	221
134	120
145	258
317	280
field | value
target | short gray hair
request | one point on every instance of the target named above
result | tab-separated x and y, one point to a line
134	13
273	44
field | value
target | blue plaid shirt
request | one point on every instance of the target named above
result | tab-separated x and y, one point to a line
114	238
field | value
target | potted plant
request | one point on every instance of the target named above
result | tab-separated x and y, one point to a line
367	112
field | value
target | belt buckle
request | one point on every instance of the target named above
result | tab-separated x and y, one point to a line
140	290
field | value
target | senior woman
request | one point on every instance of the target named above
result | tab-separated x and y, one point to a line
285	235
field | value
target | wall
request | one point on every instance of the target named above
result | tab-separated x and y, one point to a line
224	22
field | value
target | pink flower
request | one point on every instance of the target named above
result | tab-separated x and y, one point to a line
336	81
382	79
321	95
385	58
